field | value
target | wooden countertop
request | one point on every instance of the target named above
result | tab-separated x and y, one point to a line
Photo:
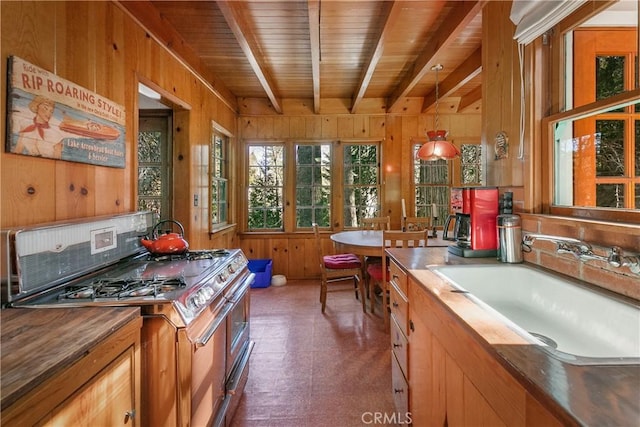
591	395
38	343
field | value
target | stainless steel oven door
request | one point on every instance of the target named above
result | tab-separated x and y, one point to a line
239	347
208	359
238	324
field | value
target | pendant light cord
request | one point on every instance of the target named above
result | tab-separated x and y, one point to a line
437	96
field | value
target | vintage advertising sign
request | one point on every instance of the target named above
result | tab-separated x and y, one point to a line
51	117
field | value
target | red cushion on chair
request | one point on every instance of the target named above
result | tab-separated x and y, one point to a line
375	271
342	261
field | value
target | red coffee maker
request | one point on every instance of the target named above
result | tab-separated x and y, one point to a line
475	210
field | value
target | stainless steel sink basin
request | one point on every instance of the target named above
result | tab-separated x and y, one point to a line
572	321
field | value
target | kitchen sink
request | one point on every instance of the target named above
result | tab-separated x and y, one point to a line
571	320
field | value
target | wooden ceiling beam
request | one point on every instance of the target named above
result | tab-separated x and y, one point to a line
470	99
148	17
469	69
243	32
451	26
392	18
314	35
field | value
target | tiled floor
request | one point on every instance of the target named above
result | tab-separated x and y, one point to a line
310	369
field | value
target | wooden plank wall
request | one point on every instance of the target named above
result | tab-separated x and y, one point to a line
294	255
501	99
98	46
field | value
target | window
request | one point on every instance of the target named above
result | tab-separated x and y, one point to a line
361	183
219	203
432	184
291	185
595	141
154	164
313	185
266	187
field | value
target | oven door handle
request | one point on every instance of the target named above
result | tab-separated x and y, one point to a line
239	291
203	339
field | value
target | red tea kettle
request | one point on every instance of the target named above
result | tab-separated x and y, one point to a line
168	243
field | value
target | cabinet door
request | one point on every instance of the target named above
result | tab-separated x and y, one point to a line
400	387
465	404
107	400
426	366
399	308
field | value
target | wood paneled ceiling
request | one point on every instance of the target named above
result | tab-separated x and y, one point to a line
325	49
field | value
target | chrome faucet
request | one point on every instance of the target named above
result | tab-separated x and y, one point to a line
617	259
584	252
563	244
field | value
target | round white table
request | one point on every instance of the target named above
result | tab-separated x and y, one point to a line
369	242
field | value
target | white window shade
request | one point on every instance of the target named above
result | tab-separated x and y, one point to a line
534	17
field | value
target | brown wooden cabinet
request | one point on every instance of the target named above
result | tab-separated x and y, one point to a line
100	387
399	323
108	399
453	380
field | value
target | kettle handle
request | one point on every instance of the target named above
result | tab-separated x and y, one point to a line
445	235
154	232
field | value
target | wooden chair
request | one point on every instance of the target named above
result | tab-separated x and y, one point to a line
414	223
391	239
376	223
338	268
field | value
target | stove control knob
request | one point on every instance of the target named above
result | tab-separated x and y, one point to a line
193	303
231	268
207	292
201	298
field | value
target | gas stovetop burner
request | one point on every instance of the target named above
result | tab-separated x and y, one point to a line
123	288
190	255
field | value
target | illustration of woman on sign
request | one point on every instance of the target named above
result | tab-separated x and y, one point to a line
39	136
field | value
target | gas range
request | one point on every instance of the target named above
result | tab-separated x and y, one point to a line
49	266
194	306
189	281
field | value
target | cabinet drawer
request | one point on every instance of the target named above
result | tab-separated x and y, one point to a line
399	345
399	277
399	307
400	387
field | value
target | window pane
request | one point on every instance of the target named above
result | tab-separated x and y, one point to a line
610	195
218	174
313	184
266	186
150	181
432	185
609	147
149	149
361	183
609	76
637	146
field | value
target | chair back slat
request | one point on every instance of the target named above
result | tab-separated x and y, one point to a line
405	239
415	223
376	223
319	251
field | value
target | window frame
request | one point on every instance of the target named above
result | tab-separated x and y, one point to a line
547	64
216	176
378	186
289	211
313	206
442	206
285	180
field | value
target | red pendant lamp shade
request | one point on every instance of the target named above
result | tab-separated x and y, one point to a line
437	148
